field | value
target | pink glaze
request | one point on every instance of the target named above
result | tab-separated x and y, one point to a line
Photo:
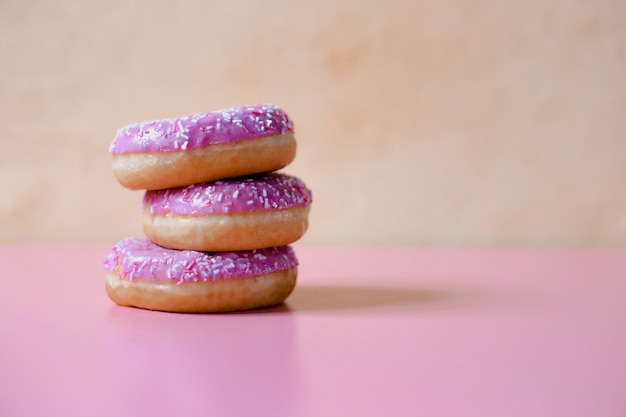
203	129
269	191
138	258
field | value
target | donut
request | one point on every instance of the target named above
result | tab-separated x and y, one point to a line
142	274
229	215
204	147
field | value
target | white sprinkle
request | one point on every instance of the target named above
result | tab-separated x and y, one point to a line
184	145
236	193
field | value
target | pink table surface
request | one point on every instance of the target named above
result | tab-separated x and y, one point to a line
368	332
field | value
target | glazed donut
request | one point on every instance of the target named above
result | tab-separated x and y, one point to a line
228	215
204	147
142	274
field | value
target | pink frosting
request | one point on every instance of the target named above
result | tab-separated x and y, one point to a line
138	258
203	129
269	191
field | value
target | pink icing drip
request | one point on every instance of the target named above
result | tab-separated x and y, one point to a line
139	258
203	129
269	191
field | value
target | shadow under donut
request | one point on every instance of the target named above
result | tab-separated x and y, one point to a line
361	299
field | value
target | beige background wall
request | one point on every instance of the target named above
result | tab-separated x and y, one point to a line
419	122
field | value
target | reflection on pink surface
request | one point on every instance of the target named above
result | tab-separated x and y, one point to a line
191	363
367	332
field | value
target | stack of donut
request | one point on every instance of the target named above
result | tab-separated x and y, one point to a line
217	217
